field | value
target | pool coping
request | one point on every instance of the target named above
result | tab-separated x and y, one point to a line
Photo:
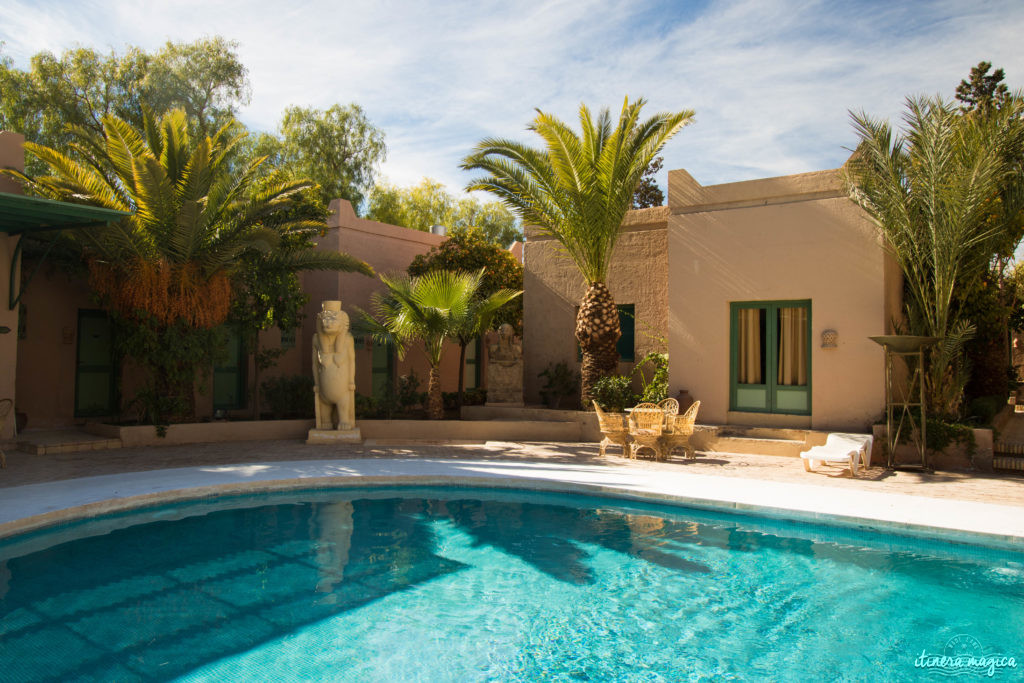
36	507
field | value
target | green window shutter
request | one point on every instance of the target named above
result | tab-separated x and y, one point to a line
627	323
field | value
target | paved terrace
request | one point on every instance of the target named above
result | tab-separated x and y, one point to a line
967	502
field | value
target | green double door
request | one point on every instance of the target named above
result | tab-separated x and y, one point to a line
95	366
770	359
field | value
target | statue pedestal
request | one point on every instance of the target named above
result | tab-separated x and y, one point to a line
505	383
338	436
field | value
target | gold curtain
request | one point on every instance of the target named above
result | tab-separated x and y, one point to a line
750	346
793	347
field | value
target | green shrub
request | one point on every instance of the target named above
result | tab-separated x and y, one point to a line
561	383
983	410
366	408
289	396
655	389
471	397
942	434
614	393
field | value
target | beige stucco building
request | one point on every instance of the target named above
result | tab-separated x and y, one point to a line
763	292
58	362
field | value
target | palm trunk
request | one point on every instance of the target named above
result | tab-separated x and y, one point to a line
435	402
462	373
597	331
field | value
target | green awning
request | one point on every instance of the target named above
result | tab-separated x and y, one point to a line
20	214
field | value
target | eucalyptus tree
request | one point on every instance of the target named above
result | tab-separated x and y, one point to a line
433	308
81	85
943	193
578	189
422	206
167	270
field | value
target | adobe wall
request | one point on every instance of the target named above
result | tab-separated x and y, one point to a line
793	237
638	275
389	249
12	155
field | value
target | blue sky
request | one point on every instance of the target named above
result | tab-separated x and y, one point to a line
771	81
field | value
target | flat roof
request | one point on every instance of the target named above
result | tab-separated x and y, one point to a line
20	214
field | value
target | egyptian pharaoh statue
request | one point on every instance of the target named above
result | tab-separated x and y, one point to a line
334	369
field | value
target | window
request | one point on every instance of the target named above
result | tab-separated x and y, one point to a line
770	360
288	339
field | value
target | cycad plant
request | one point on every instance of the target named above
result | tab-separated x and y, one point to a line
166	270
578	189
432	308
943	194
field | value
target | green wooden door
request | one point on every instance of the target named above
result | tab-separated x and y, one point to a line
229	376
95	371
770	357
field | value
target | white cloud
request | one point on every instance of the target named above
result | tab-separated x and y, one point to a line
771	80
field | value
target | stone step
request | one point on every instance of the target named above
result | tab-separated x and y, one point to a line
1008	462
64	441
1008	448
777	433
751	445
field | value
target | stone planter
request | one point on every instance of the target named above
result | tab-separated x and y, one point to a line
376	430
953	457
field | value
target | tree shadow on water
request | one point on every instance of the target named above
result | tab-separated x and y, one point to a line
157	600
551	538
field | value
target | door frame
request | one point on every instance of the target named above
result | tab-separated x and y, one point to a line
771	355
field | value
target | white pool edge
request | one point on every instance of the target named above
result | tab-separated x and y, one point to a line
35	507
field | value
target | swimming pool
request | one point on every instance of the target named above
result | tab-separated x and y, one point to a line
468	584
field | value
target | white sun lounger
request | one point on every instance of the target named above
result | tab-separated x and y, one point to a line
848	449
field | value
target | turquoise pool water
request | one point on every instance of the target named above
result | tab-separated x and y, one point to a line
464	584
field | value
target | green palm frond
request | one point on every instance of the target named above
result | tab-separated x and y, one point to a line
317	259
579	187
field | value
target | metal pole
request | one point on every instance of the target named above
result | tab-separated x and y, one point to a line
924	416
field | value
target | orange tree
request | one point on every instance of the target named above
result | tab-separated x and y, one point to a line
469	250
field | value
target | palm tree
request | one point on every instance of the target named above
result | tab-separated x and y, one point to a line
431	308
474	322
942	194
167	268
578	190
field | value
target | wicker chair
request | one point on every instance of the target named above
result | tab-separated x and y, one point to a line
670	407
613	429
678	431
646	423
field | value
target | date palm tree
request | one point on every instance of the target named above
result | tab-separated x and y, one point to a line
167	269
944	193
433	308
578	189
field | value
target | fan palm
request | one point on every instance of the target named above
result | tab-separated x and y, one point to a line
578	190
431	308
942	195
